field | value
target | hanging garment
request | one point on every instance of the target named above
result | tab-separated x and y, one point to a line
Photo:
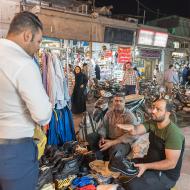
61	128
44	70
51	81
59	78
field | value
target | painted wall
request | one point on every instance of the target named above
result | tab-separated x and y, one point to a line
8	8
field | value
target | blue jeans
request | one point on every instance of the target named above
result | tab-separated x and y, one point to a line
18	166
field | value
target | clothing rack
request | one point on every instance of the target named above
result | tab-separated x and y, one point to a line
60	49
53	48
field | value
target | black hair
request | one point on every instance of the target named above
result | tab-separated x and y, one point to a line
170	66
79	68
169	106
128	62
120	94
24	20
84	64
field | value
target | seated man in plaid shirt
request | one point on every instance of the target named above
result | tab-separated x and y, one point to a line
130	80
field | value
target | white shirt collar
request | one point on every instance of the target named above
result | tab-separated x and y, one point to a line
12	44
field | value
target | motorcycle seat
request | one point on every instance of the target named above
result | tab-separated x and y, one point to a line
133	97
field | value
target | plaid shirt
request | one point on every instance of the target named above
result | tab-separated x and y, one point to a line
130	77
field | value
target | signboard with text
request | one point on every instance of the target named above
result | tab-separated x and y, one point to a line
152	38
124	54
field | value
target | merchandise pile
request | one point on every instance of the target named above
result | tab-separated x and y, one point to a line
73	167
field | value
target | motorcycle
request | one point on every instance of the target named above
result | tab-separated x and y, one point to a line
134	107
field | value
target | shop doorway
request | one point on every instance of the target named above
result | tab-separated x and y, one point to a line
149	66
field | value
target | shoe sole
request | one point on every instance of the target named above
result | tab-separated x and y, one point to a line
118	170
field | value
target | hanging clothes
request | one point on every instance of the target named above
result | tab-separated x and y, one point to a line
59	79
61	127
51	81
44	70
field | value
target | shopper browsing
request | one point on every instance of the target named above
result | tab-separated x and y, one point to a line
130	80
23	101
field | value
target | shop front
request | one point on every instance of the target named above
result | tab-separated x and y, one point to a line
149	51
84	39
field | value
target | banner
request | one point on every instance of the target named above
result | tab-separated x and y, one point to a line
124	54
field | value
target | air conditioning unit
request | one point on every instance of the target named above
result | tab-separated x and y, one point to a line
132	20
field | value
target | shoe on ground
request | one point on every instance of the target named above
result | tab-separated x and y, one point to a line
120	164
68	167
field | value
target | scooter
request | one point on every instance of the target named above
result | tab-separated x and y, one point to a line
137	107
134	107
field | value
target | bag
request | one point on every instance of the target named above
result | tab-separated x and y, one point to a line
41	138
86	127
140	146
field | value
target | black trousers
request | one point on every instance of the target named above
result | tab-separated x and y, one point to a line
130	89
151	180
123	149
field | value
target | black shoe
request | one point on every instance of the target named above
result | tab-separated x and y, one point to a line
45	177
68	167
83	171
119	164
68	147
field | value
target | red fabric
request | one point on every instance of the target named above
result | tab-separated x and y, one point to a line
87	187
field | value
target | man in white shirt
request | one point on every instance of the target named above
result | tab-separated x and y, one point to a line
23	101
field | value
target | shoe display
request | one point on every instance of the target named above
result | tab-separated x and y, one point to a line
69	147
45	177
63	183
83	170
67	167
119	164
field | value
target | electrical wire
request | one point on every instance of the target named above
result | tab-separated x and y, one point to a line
150	10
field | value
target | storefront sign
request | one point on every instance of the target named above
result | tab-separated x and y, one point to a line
118	36
160	39
149	53
152	38
124	55
176	45
178	54
145	37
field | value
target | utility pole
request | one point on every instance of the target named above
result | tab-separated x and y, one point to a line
144	16
158	13
91	28
138	8
93	5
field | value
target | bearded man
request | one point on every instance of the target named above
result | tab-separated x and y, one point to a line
160	168
109	131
